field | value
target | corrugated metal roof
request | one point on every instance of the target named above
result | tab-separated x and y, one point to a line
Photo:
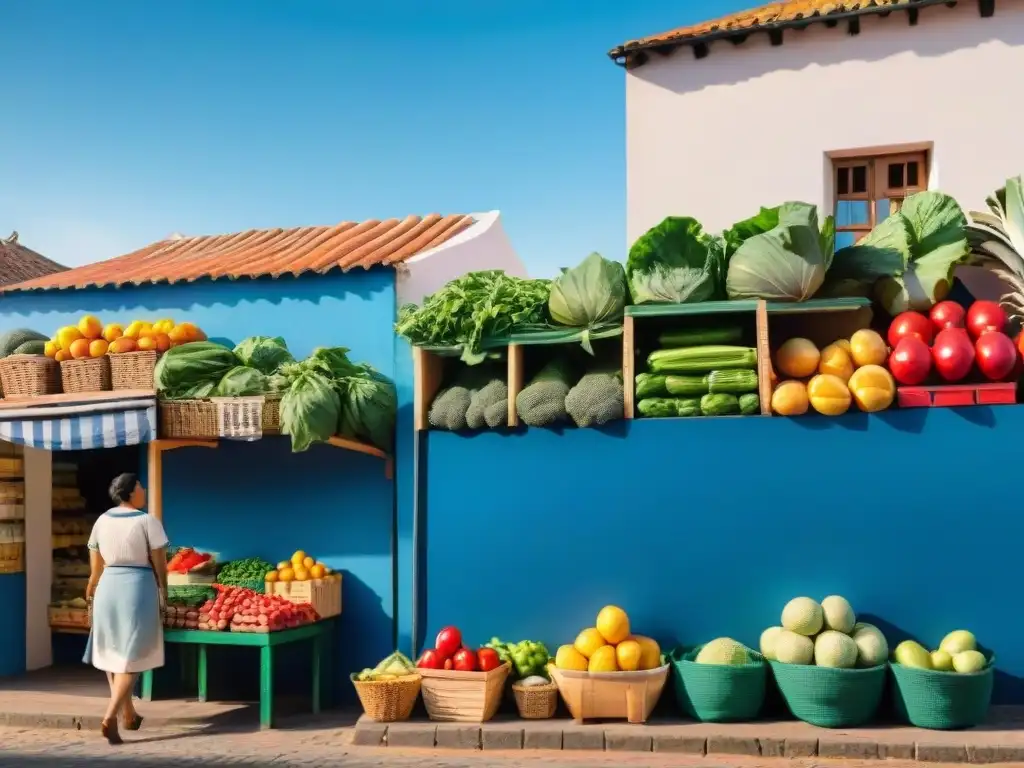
769	16
18	263
263	252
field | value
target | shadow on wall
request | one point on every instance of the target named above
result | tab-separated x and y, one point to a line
940	31
12	633
701	528
354	309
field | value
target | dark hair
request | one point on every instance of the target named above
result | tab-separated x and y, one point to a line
122	487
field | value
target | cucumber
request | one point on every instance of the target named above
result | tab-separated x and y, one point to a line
749	404
694	337
735	382
682	386
31	348
719	405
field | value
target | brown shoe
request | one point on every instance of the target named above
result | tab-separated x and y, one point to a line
134	723
109	730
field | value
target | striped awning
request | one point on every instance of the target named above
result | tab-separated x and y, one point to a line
74	426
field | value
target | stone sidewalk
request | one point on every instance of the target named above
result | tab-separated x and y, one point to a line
1001	740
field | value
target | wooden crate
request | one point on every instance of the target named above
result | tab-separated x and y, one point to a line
429	371
12	557
462	697
323	594
73	619
610	695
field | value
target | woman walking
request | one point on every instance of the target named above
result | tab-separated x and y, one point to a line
127	591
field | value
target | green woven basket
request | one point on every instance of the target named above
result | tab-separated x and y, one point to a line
830	698
717	693
942	701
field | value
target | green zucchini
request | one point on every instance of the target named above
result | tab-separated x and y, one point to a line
681	386
750	404
650	385
692	337
31	348
719	405
701	359
735	382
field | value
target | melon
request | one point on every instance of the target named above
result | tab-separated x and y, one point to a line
942	661
837	614
872	648
957	641
835	649
911	654
791	648
723	650
967	662
803	616
768	639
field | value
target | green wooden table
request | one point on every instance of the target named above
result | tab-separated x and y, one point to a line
266	642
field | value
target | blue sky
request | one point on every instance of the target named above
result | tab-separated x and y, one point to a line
125	121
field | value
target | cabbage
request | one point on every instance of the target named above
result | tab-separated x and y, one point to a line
589	295
192	370
309	410
264	353
676	262
240	382
786	263
766	220
368	405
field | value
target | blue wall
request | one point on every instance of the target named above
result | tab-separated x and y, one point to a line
12	629
706	527
259	498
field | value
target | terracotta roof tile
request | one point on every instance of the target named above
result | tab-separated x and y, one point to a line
18	263
263	252
765	16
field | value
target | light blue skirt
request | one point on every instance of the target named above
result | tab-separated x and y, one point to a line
127	630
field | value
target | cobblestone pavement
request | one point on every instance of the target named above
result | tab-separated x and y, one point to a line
326	745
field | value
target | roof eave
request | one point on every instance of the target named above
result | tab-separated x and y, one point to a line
631	55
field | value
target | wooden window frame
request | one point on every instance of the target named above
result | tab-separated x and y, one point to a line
877	187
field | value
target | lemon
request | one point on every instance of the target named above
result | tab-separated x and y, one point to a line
603	660
272	576
308	562
650	652
286	574
298	557
284	564
316	571
628	655
301	574
588	641
568	657
613	624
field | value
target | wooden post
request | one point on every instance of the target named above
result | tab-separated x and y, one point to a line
428	372
516	373
765	372
628	368
155	481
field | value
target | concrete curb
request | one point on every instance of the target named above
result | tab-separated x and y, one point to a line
563	735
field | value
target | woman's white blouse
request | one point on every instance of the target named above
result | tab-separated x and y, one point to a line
126	536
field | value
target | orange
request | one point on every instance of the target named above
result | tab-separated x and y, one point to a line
113	332
79	348
124	344
178	334
51	348
317	571
98	347
90	327
272	576
301	574
285	574
163	342
67	336
132	331
163	326
146	343
308	562
199	334
62	355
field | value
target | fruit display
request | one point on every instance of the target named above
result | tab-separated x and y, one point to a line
450	654
609	646
243	610
951	345
847	372
699	372
824	634
391	668
90	338
300	567
958	652
527	657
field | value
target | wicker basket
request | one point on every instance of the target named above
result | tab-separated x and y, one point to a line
12	558
536	702
463	697
940	700
388	701
272	413
29	376
829	697
719	693
610	695
195	419
90	374
133	370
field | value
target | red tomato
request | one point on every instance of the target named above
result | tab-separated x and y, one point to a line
449	640
910	324
953	354
431	659
448	664
487	659
464	660
947	314
996	355
911	361
984	316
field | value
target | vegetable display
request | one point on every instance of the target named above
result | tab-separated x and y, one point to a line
249	572
394	666
542	401
449	653
676	262
527	657
590	296
243	610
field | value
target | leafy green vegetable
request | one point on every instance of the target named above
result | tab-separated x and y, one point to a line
241	381
368	406
997	242
589	295
785	263
264	353
676	262
193	370
473	309
333	362
310	410
766	220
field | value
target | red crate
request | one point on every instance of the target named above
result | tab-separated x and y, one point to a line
955	395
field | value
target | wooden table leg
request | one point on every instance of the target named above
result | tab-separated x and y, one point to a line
201	673
318	642
266	687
